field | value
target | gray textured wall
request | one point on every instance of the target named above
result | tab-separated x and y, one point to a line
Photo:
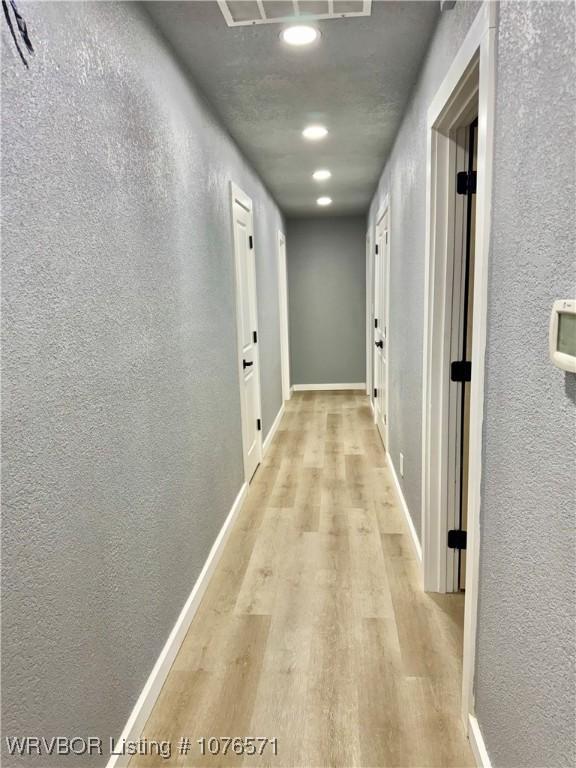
526	631
404	178
327	299
121	413
525	688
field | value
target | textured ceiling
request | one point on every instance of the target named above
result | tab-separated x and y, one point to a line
356	81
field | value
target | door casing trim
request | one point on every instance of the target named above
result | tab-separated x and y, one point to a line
478	49
284	317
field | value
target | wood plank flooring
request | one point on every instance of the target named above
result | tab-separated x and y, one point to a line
315	629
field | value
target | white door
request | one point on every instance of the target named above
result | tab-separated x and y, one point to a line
283	308
381	328
247	329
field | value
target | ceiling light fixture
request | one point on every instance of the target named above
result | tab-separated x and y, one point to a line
324	201
299	35
314	132
321	175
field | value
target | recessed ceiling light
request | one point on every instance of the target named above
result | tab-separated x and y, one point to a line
299	35
321	175
314	132
324	201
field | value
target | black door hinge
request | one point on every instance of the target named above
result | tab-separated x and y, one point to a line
457	539
375	322
255	337
250	242
375	392
386	236
376	249
258	425
466	183
461	370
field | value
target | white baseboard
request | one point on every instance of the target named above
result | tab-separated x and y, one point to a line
272	430
147	699
413	535
477	744
319	387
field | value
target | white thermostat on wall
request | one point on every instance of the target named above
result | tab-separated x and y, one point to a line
563	334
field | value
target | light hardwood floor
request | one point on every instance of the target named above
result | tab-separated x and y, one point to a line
314	628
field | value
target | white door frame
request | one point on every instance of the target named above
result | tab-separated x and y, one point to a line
477	51
369	319
240	197
283	315
455	280
441	326
384	210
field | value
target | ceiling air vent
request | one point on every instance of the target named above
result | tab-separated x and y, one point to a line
243	12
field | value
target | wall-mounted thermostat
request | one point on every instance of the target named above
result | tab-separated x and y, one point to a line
563	334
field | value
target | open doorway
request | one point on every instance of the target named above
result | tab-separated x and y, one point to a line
449	324
460	130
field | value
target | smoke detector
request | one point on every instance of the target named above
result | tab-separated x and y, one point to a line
240	13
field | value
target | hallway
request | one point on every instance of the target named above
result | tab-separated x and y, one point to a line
314	629
288	383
